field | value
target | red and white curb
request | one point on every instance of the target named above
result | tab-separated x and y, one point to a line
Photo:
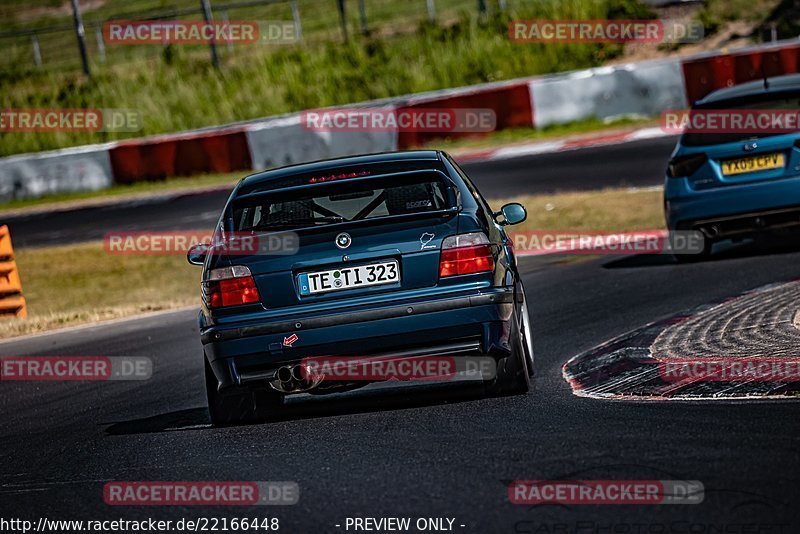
754	326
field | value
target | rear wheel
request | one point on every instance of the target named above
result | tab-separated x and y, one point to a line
527	337
237	405
702	255
513	376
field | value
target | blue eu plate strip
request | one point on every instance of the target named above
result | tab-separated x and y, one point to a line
302	283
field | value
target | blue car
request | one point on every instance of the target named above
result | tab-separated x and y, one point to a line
731	185
393	255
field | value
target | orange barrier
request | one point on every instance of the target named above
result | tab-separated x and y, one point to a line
11	300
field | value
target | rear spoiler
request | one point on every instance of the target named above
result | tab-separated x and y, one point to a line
452	191
356	180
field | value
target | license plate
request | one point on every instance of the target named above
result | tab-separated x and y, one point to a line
373	274
752	164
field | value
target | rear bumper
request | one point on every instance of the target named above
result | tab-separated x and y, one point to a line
744	224
483	321
734	210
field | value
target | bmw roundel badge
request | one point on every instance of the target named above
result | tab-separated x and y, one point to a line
343	240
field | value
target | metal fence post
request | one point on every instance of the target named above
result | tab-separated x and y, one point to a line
342	19
502	5
101	44
80	32
431	10
211	42
37	53
228	40
362	16
298	29
482	7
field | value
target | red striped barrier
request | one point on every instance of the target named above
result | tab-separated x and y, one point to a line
229	149
706	74
511	103
180	155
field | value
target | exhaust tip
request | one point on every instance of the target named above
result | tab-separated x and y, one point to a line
295	379
284	374
298	373
712	231
302	375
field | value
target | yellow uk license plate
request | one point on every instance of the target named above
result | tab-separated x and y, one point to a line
762	162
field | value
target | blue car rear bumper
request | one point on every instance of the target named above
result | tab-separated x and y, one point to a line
758	203
239	354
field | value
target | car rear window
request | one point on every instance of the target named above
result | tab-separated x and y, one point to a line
340	200
761	102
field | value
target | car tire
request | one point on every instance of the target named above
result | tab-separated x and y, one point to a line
694	258
708	244
513	376
527	336
238	405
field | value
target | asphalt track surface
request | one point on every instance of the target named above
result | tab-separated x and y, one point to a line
634	164
421	451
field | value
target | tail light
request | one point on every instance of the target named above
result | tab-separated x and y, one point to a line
466	254
230	286
685	165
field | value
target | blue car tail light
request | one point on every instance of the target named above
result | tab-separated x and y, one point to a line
685	165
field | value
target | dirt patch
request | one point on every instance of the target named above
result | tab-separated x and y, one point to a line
65	9
731	35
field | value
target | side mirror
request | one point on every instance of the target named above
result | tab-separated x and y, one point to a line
197	253
513	213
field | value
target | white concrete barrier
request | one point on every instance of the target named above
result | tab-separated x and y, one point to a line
284	141
645	89
85	168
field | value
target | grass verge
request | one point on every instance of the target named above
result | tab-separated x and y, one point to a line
607	210
77	284
179	90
